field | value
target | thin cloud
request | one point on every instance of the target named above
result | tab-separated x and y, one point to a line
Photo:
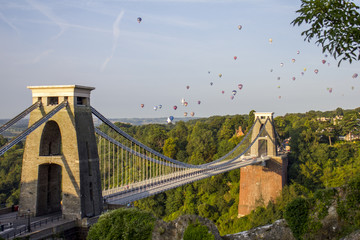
48	13
116	35
42	55
2	17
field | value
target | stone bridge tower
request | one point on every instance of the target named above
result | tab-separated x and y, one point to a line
60	170
260	184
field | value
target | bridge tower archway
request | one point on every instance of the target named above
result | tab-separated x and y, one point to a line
262	183
60	170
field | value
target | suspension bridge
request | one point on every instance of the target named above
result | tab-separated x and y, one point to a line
69	165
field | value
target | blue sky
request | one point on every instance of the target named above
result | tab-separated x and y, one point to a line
101	44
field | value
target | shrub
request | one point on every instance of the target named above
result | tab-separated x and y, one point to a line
197	232
297	216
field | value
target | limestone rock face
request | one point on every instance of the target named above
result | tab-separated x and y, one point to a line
175	230
279	230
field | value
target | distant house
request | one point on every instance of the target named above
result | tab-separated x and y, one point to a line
239	132
350	137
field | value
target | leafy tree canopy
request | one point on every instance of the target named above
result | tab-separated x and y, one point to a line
334	24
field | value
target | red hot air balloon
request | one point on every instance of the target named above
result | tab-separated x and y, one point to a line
175	107
323	61
187	87
142	105
235	57
199	102
192	114
185	104
240	86
316	71
223	92
185	114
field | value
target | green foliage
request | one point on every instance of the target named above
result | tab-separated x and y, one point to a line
197	232
124	223
297	216
335	24
349	206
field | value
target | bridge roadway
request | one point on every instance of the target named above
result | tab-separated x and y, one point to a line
130	193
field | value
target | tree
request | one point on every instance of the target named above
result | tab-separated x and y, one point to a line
335	24
123	224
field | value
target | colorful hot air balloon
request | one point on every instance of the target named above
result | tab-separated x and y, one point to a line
175	107
326	55
298	52
231	97
278	86
170	119
233	92
185	114
142	105
222	91
182	101
240	86
187	87
304	69
293	60
235	57
185	104
302	73
355	75
139	20
330	90
293	78
239	27
278	78
160	106
192	114
316	71
199	102
270	40
323	61
279	97
155	108
220	75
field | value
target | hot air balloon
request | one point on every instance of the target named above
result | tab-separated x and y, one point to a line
323	61
330	90
278	86
160	106
175	107
316	71
222	91
234	92
270	40
271	70
355	75
182	101
185	104
304	69
192	114
279	97
220	75
281	64
155	108
211	83
142	105
352	87
187	87
302	73
231	97
240	86
185	114
199	102
235	57
208	72
326	55
239	27
170	119
278	78
298	52
293	78
139	20
293	60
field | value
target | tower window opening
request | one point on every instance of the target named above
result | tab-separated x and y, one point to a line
53	101
80	100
